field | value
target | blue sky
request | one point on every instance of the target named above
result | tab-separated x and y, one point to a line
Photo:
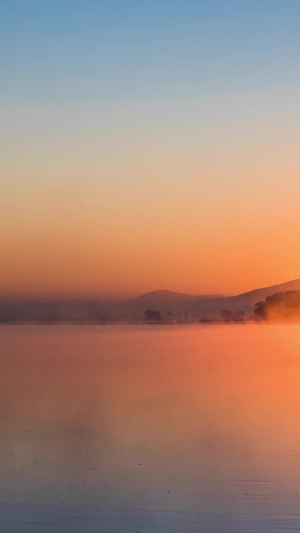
70	50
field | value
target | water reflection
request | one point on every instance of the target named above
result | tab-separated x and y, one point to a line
124	429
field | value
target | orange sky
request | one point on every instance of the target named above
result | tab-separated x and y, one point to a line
189	237
132	163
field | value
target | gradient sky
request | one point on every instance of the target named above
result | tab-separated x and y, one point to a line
148	144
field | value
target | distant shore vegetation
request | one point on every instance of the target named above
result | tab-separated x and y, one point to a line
281	306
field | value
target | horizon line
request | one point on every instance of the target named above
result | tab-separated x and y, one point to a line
33	299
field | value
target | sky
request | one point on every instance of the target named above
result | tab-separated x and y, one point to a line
148	145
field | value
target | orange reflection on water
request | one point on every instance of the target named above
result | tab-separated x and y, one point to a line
163	417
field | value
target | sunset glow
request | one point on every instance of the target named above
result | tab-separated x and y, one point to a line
152	147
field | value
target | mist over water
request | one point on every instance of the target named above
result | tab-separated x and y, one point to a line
119	429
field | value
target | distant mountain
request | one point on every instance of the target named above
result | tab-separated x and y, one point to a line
247	300
163	296
185	306
172	306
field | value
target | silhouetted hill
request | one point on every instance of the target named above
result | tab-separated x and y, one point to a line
247	300
171	305
160	296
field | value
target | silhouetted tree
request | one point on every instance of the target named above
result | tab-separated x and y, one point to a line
154	316
260	310
226	314
279	306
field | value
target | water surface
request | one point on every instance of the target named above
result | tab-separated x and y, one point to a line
116	429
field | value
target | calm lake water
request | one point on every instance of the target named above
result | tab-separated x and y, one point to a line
116	429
